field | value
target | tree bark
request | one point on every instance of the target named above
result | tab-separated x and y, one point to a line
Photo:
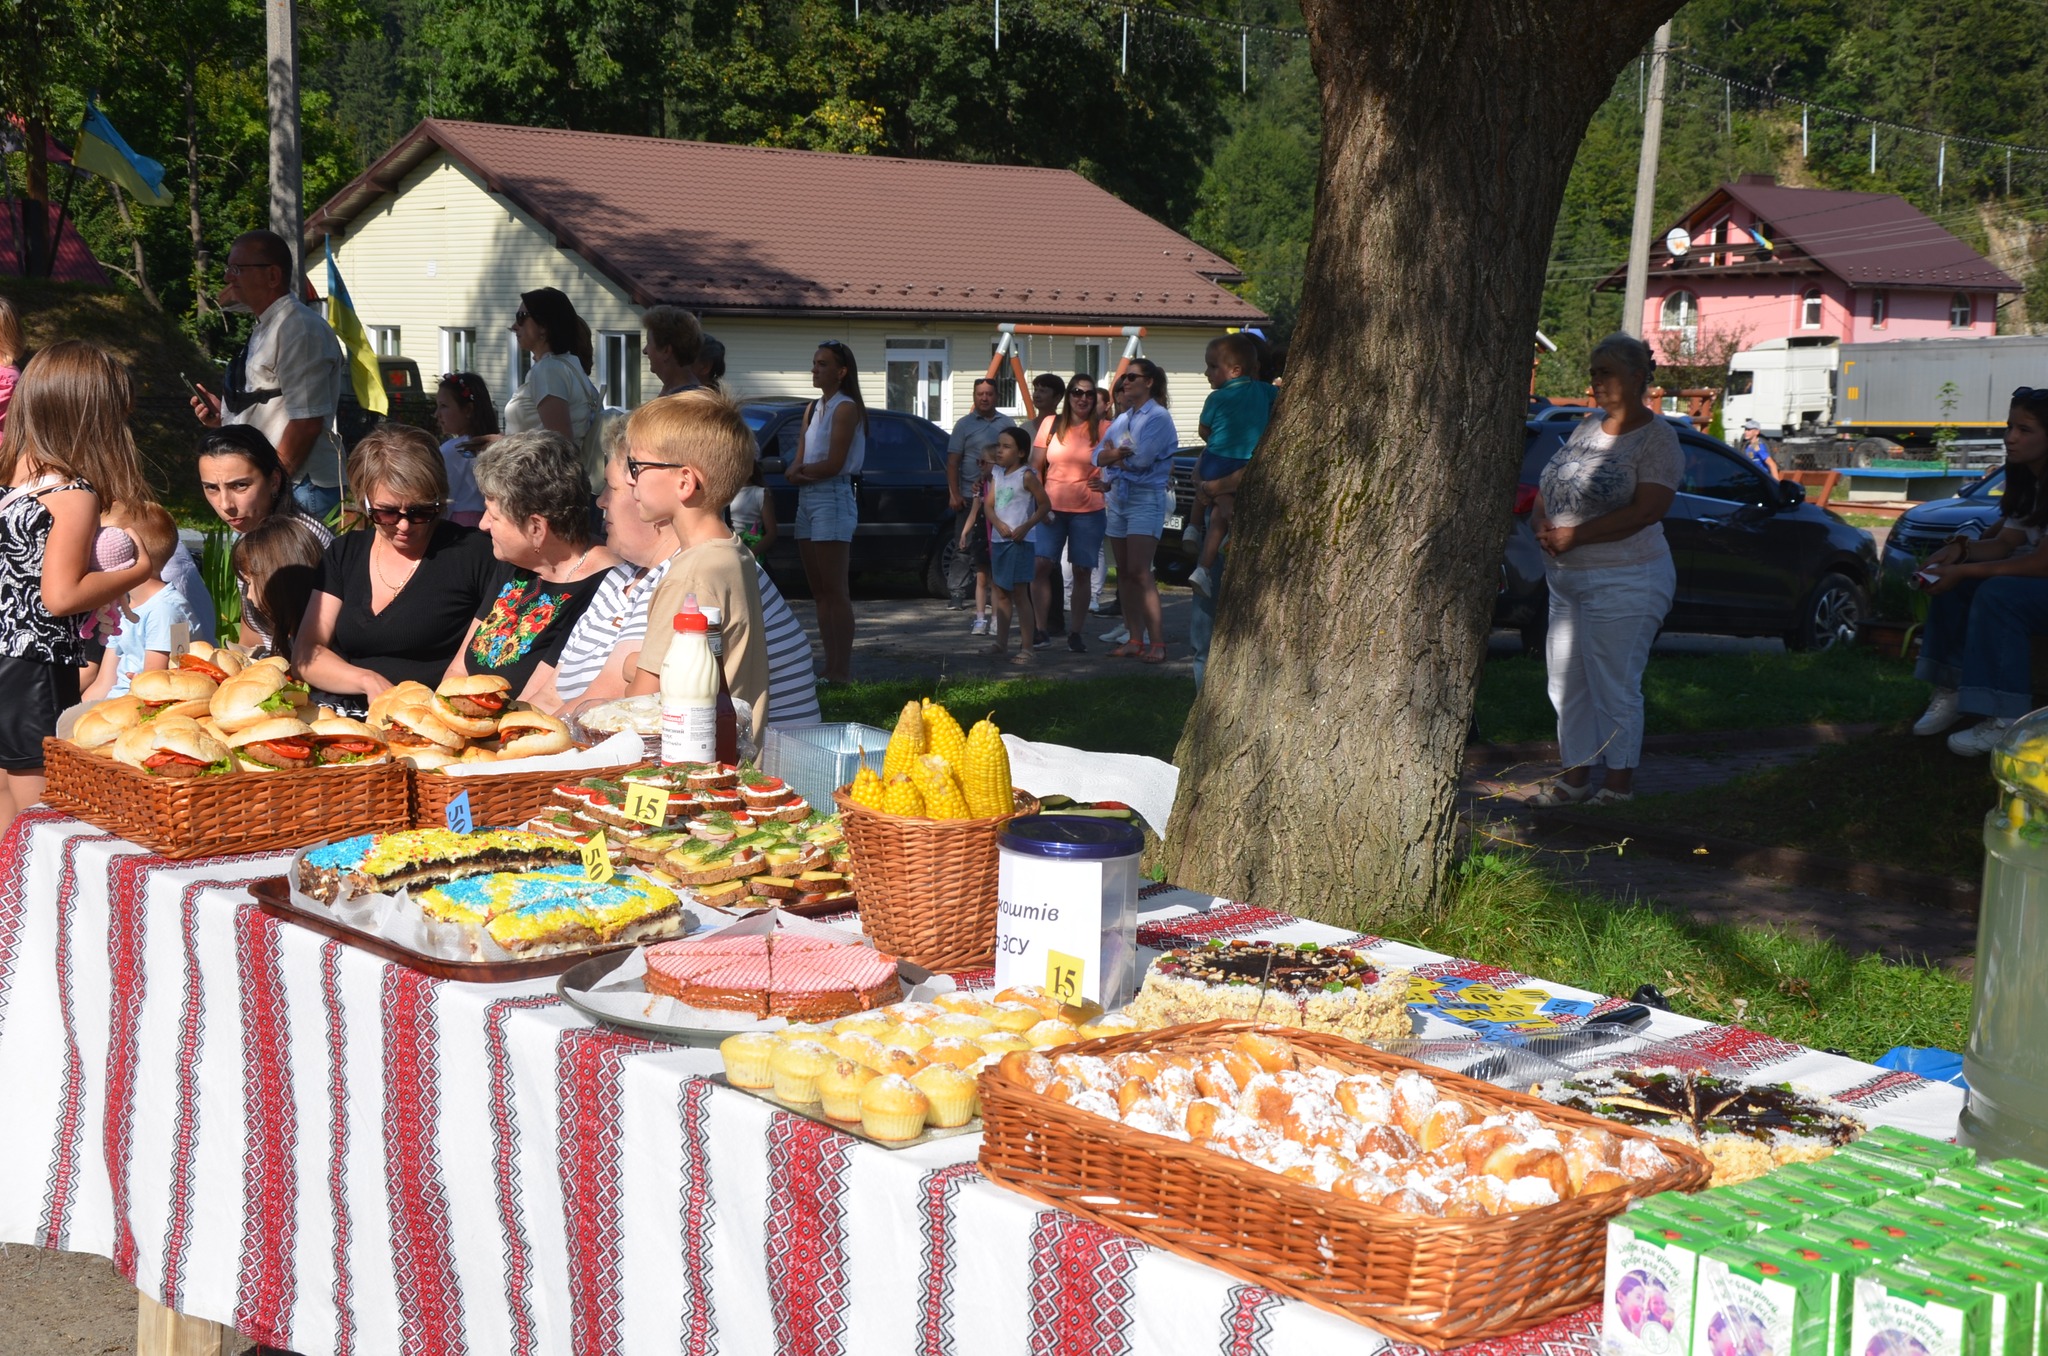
1320	764
193	224
140	277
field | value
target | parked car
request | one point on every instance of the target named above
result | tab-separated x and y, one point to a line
1753	557
1972	513
411	403
901	493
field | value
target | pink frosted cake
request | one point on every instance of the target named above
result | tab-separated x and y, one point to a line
776	974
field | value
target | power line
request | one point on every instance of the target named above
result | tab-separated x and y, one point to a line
1865	118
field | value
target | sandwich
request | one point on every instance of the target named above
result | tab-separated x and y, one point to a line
217	664
280	744
529	734
172	692
472	703
407	693
256	694
341	742
416	728
102	722
173	746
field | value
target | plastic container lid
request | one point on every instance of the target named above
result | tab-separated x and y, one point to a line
1074	838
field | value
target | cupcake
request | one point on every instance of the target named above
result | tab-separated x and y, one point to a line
911	1012
1049	1033
857	1046
892	1107
1111	1024
962	1002
1032	997
908	1036
839	1089
1015	1017
950	1094
958	1024
955	1052
804	1031
1002	1042
796	1066
897	1060
747	1056
867	1023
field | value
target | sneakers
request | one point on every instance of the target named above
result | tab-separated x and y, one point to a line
956	604
1043	641
1200	581
1074	643
1115	637
980	627
1941	713
1979	738
1106	606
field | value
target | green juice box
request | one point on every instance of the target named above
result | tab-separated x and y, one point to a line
1909	1313
1932	1216
1807	1200
1840	1263
1878	1242
2032	1272
1983	1183
1996	1211
1755	1210
1905	1165
1752	1301
1918	1148
1653	1257
1849	1183
2018	1170
2012	1300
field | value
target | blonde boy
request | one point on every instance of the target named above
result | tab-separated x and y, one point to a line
153	610
687	455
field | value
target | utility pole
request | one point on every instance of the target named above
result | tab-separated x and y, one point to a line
287	209
1646	187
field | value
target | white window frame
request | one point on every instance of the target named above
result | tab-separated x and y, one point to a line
1100	349
1965	305
455	339
1880	309
1687	320
618	367
386	342
922	349
1812	308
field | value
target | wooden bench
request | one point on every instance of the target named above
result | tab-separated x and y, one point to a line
1826	480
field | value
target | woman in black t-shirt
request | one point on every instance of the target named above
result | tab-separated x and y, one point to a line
393	598
537	519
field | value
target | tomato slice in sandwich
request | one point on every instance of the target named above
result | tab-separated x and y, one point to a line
167	758
193	663
489	701
362	748
291	747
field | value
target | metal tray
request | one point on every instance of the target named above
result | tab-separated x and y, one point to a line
816	1112
587	974
273	896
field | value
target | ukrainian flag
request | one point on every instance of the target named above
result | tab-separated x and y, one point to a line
101	151
362	358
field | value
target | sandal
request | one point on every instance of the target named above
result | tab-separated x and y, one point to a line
1557	793
1130	649
1605	797
1154	654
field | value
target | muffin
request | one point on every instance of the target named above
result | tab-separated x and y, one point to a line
963	1003
955	1052
857	1046
803	1031
839	1088
1015	1017
746	1058
866	1023
1110	1024
892	1107
1037	999
1049	1033
796	1066
908	1011
958	1024
949	1093
1002	1042
908	1035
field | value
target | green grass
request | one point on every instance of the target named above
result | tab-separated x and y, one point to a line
1890	798
1686	694
1868	521
1507	911
1107	715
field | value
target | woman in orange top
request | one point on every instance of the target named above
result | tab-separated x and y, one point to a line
1063	456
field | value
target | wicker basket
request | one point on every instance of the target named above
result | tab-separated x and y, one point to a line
224	816
1436	1282
927	887
496	800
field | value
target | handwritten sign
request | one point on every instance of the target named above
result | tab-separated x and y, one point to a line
647	804
597	859
457	814
1064	975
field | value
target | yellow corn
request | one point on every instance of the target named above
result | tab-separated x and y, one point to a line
907	744
900	796
985	776
942	795
943	736
867	788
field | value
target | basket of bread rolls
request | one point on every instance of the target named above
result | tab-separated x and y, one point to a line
217	755
466	720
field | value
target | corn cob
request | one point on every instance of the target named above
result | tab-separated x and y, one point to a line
867	788
943	798
943	736
985	778
907	744
900	797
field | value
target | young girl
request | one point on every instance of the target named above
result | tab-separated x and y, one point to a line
278	564
67	451
469	423
752	514
1015	501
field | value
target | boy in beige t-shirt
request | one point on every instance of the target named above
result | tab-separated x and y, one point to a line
693	452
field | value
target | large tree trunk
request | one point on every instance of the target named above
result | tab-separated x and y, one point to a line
1319	767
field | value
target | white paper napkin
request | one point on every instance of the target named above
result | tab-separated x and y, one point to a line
624	747
1145	784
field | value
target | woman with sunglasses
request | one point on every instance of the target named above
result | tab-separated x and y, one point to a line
835	444
1064	457
468	422
557	394
396	595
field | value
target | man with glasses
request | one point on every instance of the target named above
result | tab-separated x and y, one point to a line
972	444
287	380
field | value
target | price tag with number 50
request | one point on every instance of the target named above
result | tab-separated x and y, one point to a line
1063	974
457	814
647	804
597	859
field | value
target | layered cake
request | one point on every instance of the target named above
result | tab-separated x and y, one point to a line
777	974
1318	988
1744	1129
384	863
553	909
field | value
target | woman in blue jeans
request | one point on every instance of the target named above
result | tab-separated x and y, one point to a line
1988	598
835	446
1135	459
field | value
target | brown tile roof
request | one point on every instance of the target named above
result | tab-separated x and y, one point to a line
738	229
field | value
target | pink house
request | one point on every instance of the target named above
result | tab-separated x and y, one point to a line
1754	261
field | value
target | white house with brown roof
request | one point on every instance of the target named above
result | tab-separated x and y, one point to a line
913	263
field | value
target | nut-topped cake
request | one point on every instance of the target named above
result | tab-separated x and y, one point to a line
1301	984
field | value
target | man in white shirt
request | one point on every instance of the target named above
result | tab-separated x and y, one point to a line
288	378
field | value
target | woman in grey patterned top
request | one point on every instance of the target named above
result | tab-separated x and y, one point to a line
1598	517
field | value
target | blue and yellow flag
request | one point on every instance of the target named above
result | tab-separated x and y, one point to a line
362	358
101	151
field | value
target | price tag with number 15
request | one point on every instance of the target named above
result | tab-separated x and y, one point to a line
647	804
1063	976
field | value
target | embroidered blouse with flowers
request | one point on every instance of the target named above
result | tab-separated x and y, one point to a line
523	622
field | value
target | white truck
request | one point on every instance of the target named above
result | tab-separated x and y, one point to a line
1902	390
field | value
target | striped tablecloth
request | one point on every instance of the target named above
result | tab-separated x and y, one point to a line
273	1130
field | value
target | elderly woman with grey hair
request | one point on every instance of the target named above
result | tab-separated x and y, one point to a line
537	515
1598	517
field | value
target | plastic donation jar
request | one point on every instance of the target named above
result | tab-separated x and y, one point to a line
1067	907
2006	1061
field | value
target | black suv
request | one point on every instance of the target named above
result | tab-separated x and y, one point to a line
901	492
411	403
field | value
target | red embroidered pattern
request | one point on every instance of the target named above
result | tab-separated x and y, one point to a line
806	1242
587	1072
429	1293
267	1280
1080	1287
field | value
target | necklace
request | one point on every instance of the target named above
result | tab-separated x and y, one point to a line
394	588
569	575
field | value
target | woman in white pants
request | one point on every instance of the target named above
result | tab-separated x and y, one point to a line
1598	513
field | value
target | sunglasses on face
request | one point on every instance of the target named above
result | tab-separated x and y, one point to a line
1083	393
634	468
520	317
390	515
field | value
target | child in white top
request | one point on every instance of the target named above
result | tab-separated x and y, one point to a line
153	611
1015	501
